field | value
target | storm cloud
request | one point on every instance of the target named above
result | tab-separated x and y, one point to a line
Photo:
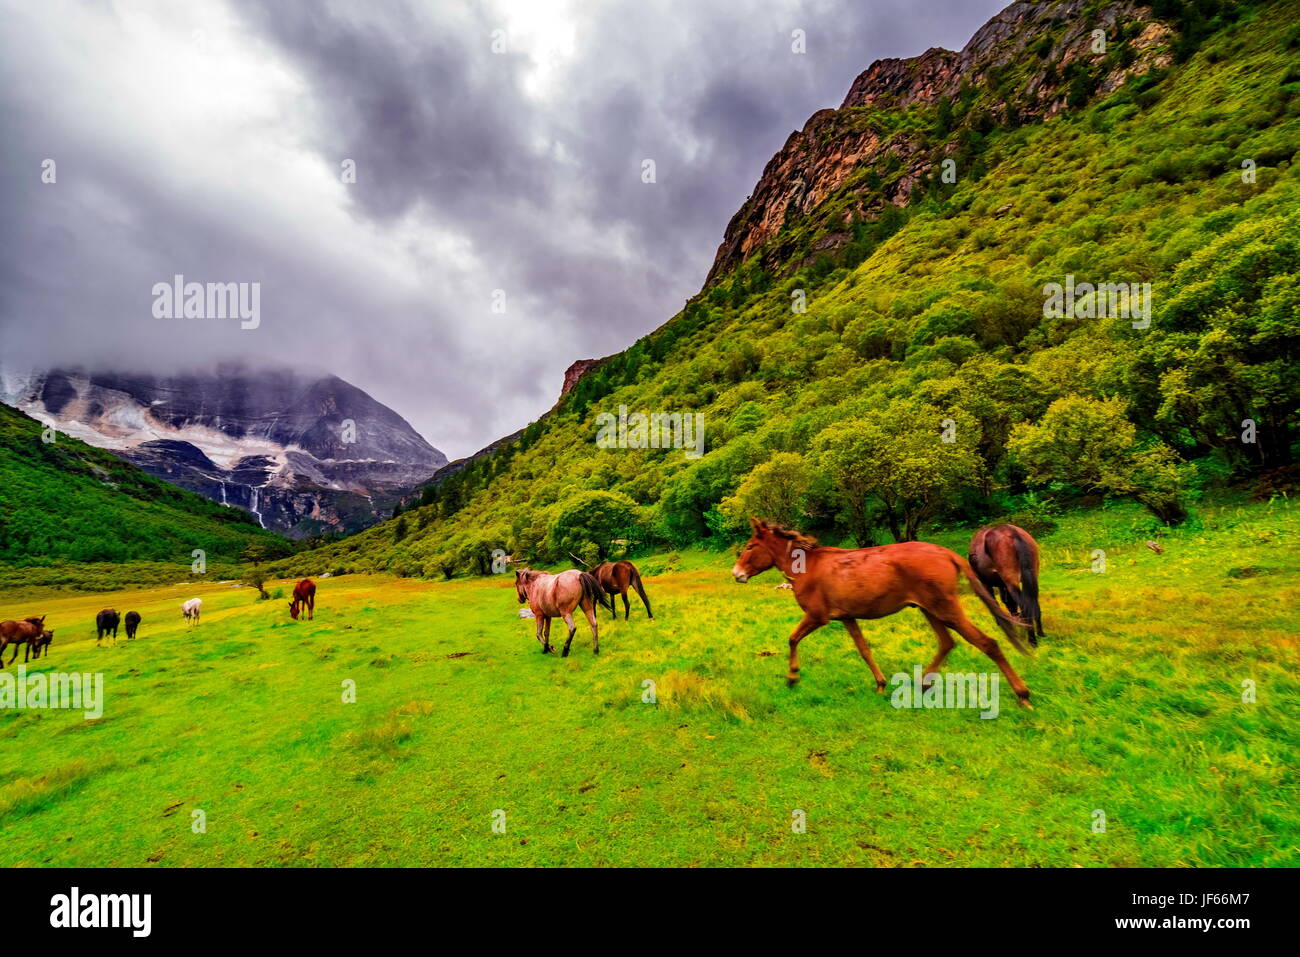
498	151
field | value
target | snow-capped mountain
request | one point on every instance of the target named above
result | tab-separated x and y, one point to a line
301	453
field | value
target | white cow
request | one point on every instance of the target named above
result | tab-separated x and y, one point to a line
191	610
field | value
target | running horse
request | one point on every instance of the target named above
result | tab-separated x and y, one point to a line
845	584
304	595
1005	557
555	596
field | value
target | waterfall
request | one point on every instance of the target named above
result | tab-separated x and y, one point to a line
252	506
223	494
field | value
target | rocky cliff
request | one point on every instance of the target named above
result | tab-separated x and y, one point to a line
903	117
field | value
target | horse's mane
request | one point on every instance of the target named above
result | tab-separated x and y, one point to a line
789	534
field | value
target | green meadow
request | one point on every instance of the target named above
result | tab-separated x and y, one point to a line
1139	716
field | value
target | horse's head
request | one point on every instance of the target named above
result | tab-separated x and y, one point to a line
293	609
769	545
755	555
522	577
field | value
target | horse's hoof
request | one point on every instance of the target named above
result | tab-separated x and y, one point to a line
880	687
1024	702
791	682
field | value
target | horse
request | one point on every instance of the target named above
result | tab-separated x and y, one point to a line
191	610
19	633
551	596
304	593
106	623
845	584
615	578
1005	557
132	623
39	645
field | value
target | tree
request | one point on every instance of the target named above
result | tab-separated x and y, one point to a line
911	459
1091	445
774	490
588	523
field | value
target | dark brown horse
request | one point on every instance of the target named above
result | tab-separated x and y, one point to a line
304	594
40	645
842	584
1005	557
106	623
616	578
132	621
555	596
19	633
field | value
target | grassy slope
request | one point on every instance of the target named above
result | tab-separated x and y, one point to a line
1119	191
67	502
1138	714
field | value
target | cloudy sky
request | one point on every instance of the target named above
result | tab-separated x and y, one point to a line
497	146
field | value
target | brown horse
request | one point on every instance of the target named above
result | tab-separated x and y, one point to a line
616	578
19	633
40	645
839	584
551	596
304	594
1005	557
132	621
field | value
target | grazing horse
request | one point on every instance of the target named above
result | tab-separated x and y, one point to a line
615	578
19	633
845	584
132	623
304	594
39	645
1005	557
191	610
106	623
550	596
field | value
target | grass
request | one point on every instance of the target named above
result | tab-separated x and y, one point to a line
1138	714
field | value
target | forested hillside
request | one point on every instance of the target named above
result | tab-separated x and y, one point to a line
64	501
881	365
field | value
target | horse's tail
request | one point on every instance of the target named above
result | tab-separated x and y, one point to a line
591	589
640	590
1028	585
1010	626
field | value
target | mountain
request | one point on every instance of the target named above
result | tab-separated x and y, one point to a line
63	500
880	348
301	454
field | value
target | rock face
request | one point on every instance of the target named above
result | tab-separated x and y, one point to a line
302	454
1026	64
575	372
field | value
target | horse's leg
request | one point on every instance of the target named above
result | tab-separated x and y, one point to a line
311	607
627	609
590	609
539	622
568	620
953	616
864	649
945	646
805	627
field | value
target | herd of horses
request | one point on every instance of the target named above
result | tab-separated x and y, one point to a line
840	584
830	584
